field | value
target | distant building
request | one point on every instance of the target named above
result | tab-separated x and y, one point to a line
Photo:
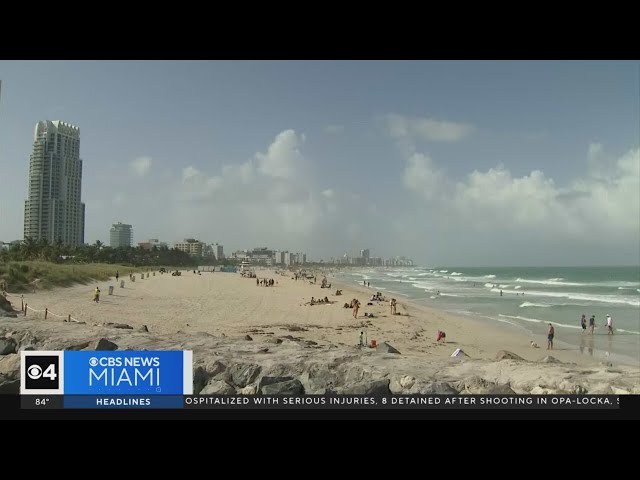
365	254
262	256
53	209
193	247
219	253
121	235
151	243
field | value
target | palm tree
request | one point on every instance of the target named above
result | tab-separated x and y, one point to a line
29	247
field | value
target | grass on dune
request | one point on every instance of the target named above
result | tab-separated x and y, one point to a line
19	275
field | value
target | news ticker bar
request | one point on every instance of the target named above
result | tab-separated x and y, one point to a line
322	402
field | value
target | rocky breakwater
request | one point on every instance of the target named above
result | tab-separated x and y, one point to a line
273	364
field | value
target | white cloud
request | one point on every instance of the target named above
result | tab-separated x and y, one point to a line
190	173
141	165
606	199
422	175
283	158
334	129
413	128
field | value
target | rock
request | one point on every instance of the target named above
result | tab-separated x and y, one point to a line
505	355
118	325
143	329
538	390
407	381
296	328
320	378
550	359
28	348
27	340
263	350
384	347
9	386
277	341
394	385
218	387
439	388
214	368
290	387
578	390
7	346
619	391
77	346
374	387
478	386
243	375
248	337
402	384
249	390
102	344
310	342
270	380
200	379
10	365
600	389
205	373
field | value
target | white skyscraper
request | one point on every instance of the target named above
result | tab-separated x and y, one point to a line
53	209
121	235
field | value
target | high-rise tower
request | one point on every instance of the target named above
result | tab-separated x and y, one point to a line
53	210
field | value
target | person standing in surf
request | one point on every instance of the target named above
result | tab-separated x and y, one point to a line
550	335
592	324
583	323
609	325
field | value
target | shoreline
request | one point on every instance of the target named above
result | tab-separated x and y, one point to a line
513	338
599	347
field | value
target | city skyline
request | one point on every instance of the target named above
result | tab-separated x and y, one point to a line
459	163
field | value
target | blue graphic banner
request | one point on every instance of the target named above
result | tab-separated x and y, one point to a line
127	373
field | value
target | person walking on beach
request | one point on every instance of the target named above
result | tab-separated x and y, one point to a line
356	306
609	325
583	323
96	295
550	334
592	324
117	275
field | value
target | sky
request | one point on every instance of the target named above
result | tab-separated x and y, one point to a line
464	163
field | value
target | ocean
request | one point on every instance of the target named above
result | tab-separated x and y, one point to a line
531	298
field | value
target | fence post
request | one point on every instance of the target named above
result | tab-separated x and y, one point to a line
22	301
69	319
46	311
25	309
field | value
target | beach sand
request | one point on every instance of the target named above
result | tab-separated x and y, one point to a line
226	303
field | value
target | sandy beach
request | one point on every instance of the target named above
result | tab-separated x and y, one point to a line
242	334
226	303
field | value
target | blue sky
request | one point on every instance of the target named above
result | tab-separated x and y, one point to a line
331	157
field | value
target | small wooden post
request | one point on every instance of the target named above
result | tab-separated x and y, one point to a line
69	319
22	301
25	309
46	311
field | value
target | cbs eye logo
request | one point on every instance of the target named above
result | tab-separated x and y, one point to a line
42	373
